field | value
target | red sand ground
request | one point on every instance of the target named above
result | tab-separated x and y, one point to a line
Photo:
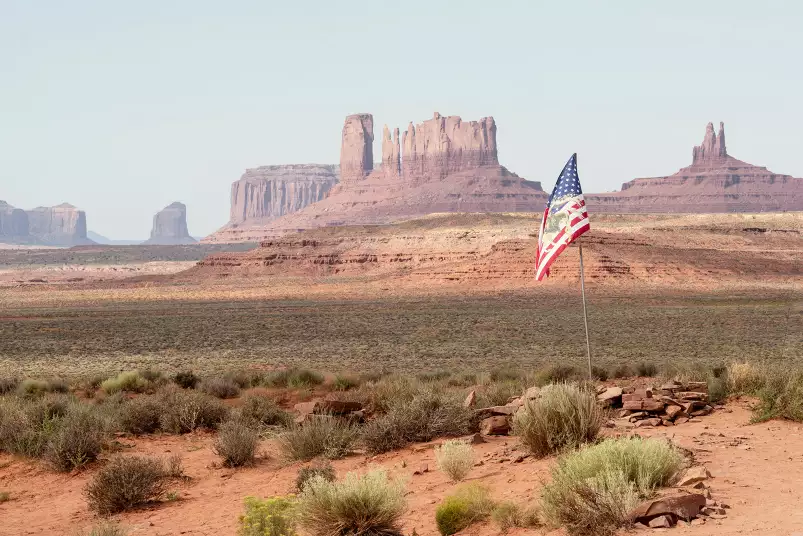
757	470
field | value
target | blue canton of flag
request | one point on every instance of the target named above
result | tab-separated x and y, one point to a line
565	219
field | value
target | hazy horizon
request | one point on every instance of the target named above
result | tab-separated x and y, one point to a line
122	109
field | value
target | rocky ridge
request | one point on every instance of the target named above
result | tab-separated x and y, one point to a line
62	225
170	226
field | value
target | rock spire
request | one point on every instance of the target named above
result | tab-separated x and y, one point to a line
713	147
357	148
170	226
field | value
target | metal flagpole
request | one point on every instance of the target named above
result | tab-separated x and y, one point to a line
585	314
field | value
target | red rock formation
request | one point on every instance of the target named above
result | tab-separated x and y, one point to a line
391	154
357	148
444	145
714	182
62	225
13	224
268	192
170	226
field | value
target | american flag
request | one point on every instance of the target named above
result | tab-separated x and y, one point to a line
565	219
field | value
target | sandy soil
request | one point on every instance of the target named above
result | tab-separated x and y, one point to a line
757	470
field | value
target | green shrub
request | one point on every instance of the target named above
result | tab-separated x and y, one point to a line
464	379
236	443
8	385
745	378
130	381
781	397
305	474
558	374
389	391
507	373
152	376
599	373
428	415
455	458
126	482
27	425
563	417
77	440
220	387
186	379
262	410
185	411
622	371
717	389
32	388
498	393
468	504
432	376
294	378
324	435
593	489
507	515
268	517
245	379
141	415
359	505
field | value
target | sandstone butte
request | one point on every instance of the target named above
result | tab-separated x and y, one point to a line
714	182
443	164
446	164
62	225
170	226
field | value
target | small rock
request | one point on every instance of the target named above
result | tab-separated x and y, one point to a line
520	458
470	400
693	475
496	425
714	511
475	439
532	393
697	522
424	468
661	522
681	420
649	422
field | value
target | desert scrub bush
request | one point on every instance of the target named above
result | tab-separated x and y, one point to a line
32	388
236	443
432	376
455	458
558	374
507	373
220	387
744	378
498	393
507	515
599	373
463	379
186	379
77	440
105	529
467	505
371	504
130	381
621	371
345	383
322	470
141	415
126	482
185	411
323	435
780	397
8	385
268	517
295	378
646	369
245	379
262	410
26	426
593	489
428	415
378	396
563	417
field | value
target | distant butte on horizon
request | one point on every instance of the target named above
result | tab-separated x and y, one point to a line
445	164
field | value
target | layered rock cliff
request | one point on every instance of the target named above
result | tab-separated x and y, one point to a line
357	148
13	224
170	226
62	225
714	182
268	192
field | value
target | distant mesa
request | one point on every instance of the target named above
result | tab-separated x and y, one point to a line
170	226
443	164
14	225
714	182
62	225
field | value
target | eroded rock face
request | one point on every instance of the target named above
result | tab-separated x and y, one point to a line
62	225
170	226
391	154
714	182
268	192
357	148
444	145
13	223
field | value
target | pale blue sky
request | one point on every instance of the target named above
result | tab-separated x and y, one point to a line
123	107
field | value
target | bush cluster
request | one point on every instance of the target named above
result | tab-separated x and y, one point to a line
468	504
236	443
455	458
322	436
268	517
323	470
126	482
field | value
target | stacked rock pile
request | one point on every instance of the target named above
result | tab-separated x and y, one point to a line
670	404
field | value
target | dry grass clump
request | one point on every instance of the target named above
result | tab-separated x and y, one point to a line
323	435
429	414
305	474
558	374
8	385
141	415
131	381
564	416
455	458
186	379
345	383
364	505
468	504
236	443
126	482
105	529
745	378
593	489
780	396
268	517
220	387
186	411
33	388
260	409
294	378
498	393
508	515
